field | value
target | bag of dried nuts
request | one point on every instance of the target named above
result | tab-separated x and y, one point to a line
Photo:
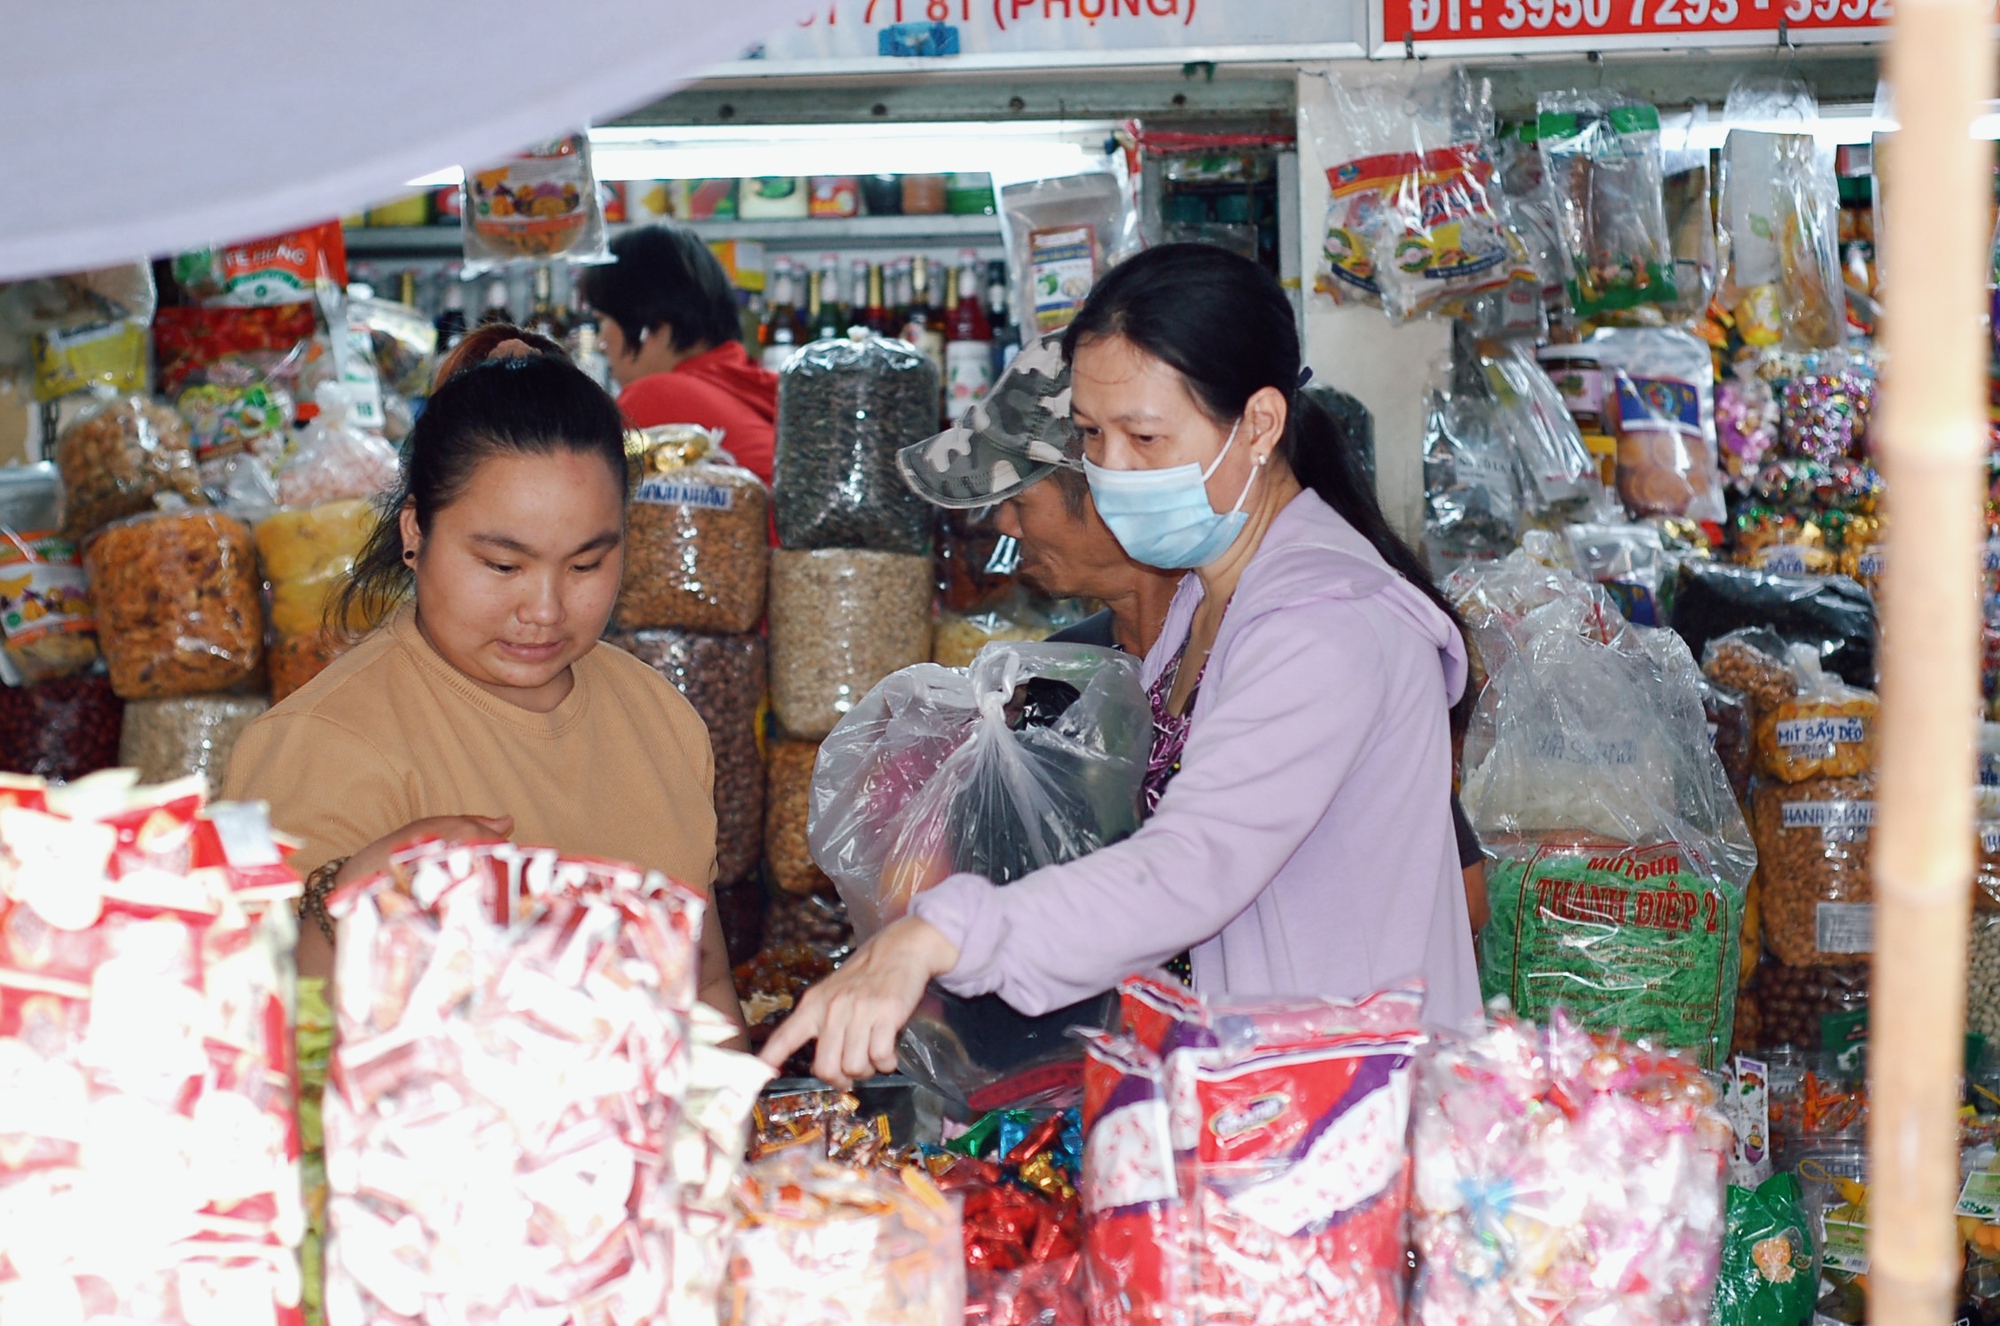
1813	841
697	537
788	805
1825	730
179	609
1755	663
117	456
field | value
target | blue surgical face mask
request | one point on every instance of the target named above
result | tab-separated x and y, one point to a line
1163	517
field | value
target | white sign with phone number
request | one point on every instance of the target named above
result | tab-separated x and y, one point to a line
999	33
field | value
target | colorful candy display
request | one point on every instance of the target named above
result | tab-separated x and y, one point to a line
512	1062
1016	1172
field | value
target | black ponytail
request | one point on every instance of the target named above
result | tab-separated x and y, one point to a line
1225	324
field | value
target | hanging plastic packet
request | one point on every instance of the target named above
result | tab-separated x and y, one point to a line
539	205
1630	562
1416	219
1472	490
1063	234
1663	415
1531	207
112	354
46	628
402	342
1690	218
1602	153
1548	449
1777	214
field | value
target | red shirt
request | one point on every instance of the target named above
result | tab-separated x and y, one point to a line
720	388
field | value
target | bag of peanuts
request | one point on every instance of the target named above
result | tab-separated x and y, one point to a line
1826	729
1756	664
1813	842
1619	855
697	537
118	455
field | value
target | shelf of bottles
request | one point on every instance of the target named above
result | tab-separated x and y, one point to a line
916	232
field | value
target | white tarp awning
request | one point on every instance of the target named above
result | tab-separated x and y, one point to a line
131	128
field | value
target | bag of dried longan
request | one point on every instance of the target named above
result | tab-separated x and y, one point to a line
1826	729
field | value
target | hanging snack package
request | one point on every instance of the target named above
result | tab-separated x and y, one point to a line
1417	219
1472	486
1814	847
1629	561
1777	217
110	355
237	347
178	601
296	267
1564	1177
1602	153
1548	450
538	205
1826	729
1618	855
115	301
820	1244
845	409
1063	235
46	628
512	1060
116	457
1029	758
1690	210
697	538
1662	412
147	1070
1768	1276
403	343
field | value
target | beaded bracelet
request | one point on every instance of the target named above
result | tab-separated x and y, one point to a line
312	904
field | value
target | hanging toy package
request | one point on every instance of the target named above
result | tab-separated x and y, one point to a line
1602	153
1416	221
1030	757
539	205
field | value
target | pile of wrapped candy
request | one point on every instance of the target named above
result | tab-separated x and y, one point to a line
1017	1173
1246	1162
511	1068
1564	1176
825	1125
146	1078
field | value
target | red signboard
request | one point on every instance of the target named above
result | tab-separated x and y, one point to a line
1470	26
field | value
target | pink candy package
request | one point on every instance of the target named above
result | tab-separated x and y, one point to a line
513	1051
1284	1120
149	1171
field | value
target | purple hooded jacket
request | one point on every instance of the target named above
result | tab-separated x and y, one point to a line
1306	845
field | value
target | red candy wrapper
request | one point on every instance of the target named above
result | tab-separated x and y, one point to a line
150	1158
513	1053
1257	1173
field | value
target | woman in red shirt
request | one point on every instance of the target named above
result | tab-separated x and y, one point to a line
668	321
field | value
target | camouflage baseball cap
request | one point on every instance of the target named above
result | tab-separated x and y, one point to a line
1015	437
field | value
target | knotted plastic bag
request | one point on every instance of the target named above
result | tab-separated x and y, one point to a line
1030	757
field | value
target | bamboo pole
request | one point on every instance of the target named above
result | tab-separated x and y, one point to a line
1932	443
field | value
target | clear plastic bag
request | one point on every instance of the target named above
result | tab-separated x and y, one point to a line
841	621
1472	487
1825	729
1606	814
1663	413
179	607
1610	1157
1690	209
1629	562
1063	235
116	457
1416	219
151	1173
722	676
1031	757
307	555
1778	210
194	734
46	626
560	1090
845	408
697	545
820	1244
1602	153
61	729
404	342
1547	447
1814	843
533	207
335	458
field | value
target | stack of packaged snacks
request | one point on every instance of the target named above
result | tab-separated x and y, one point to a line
512	1061
147	1064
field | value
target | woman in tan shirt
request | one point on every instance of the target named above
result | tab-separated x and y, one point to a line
485	704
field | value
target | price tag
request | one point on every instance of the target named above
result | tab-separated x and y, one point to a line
1844	927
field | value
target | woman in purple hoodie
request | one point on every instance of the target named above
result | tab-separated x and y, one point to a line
1300	838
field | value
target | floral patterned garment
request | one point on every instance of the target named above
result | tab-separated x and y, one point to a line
1170	733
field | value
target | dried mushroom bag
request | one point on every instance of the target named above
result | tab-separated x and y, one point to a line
1662	408
307	555
1620	857
1825	730
1602	155
178	599
697	540
845	408
46	627
1030	757
534	206
1416	219
117	456
1814	840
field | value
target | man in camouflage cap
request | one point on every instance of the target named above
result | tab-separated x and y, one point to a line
998	456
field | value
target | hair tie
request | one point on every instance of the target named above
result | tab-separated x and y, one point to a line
1305	376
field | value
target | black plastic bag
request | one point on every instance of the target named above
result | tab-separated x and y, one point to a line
1833	614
